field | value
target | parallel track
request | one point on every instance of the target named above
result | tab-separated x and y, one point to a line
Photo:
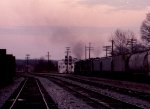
30	95
92	97
126	91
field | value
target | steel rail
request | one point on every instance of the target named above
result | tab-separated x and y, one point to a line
65	80
18	95
42	95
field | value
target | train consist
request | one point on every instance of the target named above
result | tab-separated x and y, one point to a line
138	63
7	67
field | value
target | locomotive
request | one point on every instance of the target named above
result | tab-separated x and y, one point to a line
129	64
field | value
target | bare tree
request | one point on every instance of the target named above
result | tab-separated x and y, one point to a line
121	41
145	29
140	47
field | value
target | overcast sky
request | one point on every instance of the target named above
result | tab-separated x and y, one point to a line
37	26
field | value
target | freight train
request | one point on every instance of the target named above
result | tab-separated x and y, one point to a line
7	67
128	64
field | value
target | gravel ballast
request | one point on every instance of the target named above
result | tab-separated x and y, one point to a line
6	92
120	97
63	98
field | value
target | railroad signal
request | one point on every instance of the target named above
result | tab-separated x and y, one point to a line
66	60
70	60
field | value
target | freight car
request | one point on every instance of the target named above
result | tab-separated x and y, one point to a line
87	66
138	63
106	64
120	63
7	67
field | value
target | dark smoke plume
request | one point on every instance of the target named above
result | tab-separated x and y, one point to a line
64	35
74	38
78	50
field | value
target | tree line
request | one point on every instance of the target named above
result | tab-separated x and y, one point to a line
126	42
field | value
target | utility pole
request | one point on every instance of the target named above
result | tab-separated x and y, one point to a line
131	42
48	58
89	48
27	62
85	51
67	58
112	47
107	48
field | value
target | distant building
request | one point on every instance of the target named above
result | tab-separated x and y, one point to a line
62	67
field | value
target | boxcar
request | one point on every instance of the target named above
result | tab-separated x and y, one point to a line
106	64
96	64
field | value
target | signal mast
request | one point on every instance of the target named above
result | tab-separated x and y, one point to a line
68	59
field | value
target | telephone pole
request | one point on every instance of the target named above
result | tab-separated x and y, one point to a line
85	51
48	59
27	62
112	47
89	48
131	42
48	56
107	49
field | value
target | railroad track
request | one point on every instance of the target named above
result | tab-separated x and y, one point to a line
126	91
30	95
137	94
94	98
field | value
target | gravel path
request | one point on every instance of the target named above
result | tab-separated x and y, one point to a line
64	99
6	92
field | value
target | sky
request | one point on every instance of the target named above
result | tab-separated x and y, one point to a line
37	26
